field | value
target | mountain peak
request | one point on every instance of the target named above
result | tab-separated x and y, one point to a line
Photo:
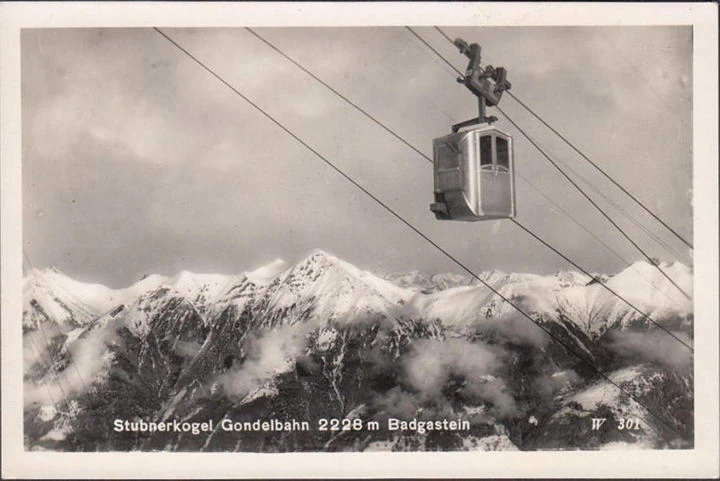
316	255
326	287
318	260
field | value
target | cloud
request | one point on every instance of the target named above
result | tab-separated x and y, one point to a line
651	346
88	357
433	366
493	391
270	353
432	362
397	403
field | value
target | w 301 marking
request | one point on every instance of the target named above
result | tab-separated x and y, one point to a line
623	424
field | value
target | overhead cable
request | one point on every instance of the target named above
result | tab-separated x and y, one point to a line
392	212
597	207
416	35
377	122
605	174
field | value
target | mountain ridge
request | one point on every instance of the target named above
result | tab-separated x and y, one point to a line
97	298
322	337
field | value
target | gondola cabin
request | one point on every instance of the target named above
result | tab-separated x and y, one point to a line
474	175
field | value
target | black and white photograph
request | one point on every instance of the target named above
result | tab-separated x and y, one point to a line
402	236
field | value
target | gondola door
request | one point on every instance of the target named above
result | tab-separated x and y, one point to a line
496	176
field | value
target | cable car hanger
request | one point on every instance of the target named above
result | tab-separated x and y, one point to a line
476	79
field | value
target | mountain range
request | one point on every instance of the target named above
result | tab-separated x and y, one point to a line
323	340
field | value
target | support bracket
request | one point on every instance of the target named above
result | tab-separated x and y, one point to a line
478	81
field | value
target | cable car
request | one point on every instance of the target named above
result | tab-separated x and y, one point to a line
474	175
474	172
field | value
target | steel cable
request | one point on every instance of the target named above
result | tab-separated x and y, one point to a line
412	227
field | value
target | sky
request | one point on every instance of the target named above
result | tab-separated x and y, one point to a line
136	160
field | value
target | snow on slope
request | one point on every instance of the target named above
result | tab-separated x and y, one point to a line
192	285
589	305
333	288
93	295
454	307
205	294
129	294
202	290
66	300
247	286
48	296
267	272
427	283
596	309
464	305
138	316
644	283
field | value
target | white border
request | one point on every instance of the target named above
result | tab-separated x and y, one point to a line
699	462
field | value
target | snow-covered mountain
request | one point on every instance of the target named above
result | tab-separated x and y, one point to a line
51	296
581	300
323	338
324	287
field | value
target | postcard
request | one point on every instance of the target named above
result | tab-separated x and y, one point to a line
359	240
